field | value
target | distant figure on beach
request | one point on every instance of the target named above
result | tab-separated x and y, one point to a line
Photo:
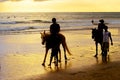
92	21
97	35
106	37
53	41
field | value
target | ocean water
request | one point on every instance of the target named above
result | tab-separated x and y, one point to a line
35	22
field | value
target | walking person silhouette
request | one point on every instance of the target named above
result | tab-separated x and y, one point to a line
99	34
105	48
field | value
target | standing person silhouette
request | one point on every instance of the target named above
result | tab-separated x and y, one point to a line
101	26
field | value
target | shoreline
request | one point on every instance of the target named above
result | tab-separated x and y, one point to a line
36	31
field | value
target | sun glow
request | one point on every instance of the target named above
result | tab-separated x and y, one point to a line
59	6
25	6
27	1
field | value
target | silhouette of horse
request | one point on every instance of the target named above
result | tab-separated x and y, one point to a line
50	44
97	36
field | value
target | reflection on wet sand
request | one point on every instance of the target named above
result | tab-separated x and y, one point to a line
61	66
106	59
103	59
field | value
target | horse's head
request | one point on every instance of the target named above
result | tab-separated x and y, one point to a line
43	37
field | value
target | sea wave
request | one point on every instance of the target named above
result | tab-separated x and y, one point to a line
18	28
23	22
40	21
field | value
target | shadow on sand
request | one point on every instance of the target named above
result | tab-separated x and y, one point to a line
95	72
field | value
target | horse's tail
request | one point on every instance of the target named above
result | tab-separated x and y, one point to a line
64	44
66	47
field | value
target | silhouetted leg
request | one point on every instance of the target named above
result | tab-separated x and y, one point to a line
96	49
105	52
104	56
104	59
45	57
55	55
59	55
65	48
56	63
101	45
65	56
51	57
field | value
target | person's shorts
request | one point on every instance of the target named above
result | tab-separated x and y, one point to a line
106	46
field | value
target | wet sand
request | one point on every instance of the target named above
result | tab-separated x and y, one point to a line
23	56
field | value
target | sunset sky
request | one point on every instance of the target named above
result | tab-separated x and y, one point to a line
59	5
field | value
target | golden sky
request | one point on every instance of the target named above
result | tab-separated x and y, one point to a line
59	5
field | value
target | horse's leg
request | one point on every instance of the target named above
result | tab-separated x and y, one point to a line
101	45
59	55
104	56
64	47
51	57
56	56
96	43
64	51
65	55
45	56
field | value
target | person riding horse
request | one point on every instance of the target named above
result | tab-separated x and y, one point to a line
53	41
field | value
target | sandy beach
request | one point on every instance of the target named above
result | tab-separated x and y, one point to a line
22	55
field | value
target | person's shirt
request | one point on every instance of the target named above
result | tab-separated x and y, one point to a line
106	36
54	28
